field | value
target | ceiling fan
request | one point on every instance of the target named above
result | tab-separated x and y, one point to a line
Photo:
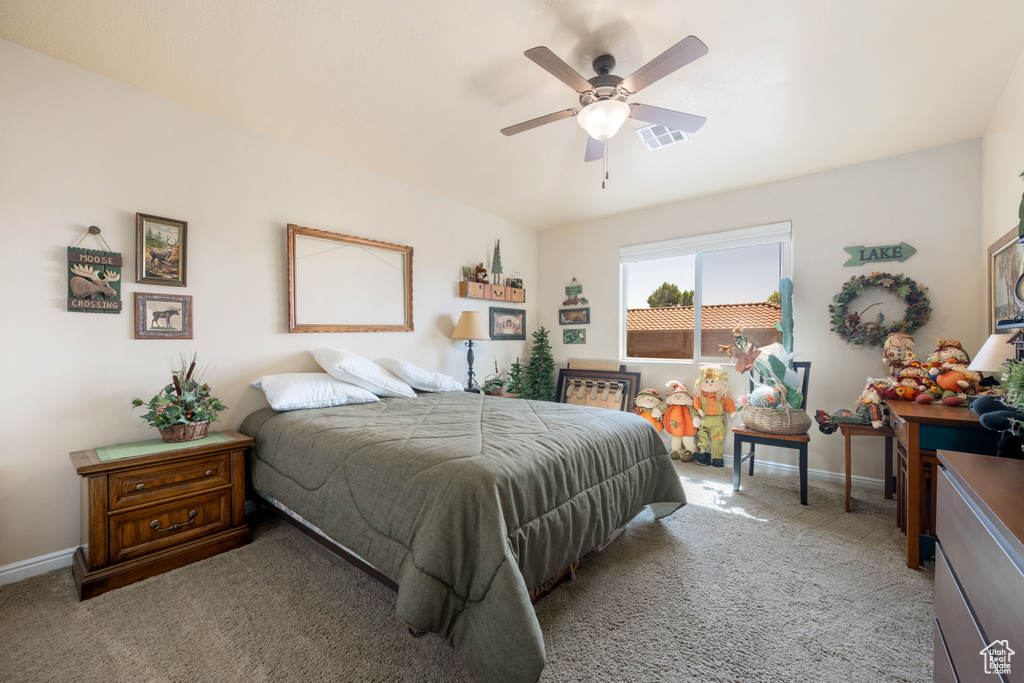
603	107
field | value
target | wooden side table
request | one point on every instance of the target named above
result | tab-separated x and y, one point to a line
851	430
920	431
150	507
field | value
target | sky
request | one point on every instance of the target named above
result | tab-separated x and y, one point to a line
731	276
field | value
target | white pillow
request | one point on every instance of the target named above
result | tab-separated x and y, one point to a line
353	368
417	377
297	390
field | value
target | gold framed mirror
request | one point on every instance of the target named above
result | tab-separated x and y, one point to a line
340	283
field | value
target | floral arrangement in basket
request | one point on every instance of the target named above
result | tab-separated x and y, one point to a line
183	409
775	382
776	403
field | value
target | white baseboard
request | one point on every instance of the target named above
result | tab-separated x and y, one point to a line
16	571
821	475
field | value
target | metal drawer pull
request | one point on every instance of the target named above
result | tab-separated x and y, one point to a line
208	473
191	518
139	487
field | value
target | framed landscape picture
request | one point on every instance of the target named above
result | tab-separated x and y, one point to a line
163	316
507	323
160	250
1005	266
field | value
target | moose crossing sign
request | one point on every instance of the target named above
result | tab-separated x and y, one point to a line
94	281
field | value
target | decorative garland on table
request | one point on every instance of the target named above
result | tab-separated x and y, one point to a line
850	327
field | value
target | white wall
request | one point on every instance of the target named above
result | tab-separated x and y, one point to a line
1004	162
78	149
929	199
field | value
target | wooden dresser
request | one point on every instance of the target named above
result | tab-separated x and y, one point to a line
146	514
979	568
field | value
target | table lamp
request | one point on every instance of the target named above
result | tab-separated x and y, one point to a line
996	350
470	327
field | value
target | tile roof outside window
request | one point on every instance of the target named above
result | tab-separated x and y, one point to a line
721	316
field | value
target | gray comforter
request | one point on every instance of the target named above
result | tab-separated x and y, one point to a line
466	501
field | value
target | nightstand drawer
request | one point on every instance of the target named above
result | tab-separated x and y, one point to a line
160	482
159	526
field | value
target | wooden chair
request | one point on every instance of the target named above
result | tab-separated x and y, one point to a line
742	435
851	430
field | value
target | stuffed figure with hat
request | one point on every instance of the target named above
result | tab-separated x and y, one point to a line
650	407
947	368
681	421
909	385
713	403
868	411
898	352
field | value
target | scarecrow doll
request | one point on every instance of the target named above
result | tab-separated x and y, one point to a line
680	421
868	411
649	406
713	403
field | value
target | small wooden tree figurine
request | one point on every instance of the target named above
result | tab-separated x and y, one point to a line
496	269
540	373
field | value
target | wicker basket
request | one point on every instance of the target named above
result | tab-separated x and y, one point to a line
186	432
772	421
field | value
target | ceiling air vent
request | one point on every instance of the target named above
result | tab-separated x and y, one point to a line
656	136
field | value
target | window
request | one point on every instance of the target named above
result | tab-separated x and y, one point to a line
691	293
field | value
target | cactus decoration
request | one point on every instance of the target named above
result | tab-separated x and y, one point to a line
785	326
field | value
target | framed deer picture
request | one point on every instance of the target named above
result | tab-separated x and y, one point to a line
163	316
160	250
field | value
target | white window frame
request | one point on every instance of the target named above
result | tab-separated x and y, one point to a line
772	233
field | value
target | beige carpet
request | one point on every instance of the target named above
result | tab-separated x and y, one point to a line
734	587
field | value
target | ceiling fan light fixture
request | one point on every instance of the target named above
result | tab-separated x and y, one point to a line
602	119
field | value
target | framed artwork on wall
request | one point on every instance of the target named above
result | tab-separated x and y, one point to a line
160	250
163	316
1005	266
574	316
507	323
574	336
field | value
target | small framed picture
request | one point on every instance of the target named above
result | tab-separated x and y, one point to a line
508	323
574	336
163	316
573	316
160	250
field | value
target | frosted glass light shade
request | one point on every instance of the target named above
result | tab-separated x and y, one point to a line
996	350
470	326
602	119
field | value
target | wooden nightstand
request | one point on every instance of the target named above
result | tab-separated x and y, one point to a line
151	507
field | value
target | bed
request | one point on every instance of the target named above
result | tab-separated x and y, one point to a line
465	502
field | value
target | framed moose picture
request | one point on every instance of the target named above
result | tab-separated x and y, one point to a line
160	250
163	316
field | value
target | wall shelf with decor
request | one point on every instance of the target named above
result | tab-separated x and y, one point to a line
482	290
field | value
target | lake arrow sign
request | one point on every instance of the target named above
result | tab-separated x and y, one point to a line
887	252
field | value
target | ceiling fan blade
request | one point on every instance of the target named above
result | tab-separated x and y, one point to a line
688	123
539	121
553	64
595	149
676	57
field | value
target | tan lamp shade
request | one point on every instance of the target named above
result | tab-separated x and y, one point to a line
996	350
470	326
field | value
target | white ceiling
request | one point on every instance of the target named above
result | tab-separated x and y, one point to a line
418	90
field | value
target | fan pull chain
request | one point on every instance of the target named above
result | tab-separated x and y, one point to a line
605	161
